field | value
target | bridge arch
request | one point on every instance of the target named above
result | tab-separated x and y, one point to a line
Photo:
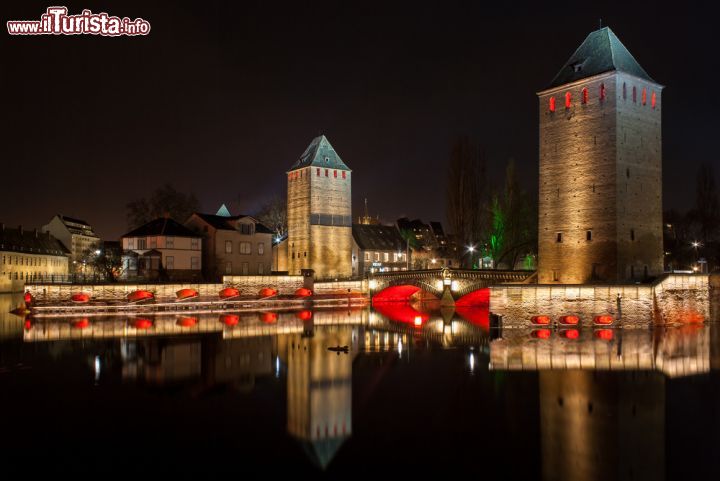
402	290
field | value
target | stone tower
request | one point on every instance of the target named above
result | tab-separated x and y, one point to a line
319	213
600	206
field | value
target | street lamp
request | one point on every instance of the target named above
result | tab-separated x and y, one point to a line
471	249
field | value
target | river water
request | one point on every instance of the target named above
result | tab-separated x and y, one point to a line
349	394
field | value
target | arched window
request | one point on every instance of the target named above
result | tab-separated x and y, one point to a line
624	91
585	95
653	100
644	96
552	104
634	93
602	92
568	100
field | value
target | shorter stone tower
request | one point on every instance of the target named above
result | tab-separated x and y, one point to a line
319	213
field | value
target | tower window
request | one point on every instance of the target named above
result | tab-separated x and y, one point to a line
634	94
344	176
552	104
335	173
568	100
632	234
588	235
644	96
318	171
326	172
624	91
602	92
585	95
327	160
558	238
653	100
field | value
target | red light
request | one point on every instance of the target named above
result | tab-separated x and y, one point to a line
187	321
571	320
541	333
344	176
80	298
604	320
303	292
229	292
304	315
568	100
183	294
142	323
81	323
230	319
28	325
653	100
604	334
28	298
269	317
644	96
335	173
267	292
602	92
570	333
552	104
541	320
585	95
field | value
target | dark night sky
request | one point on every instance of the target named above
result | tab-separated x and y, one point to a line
222	97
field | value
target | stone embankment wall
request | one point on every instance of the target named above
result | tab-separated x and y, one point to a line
675	298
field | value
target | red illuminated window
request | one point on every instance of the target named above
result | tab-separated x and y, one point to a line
585	95
552	104
653	100
602	92
568	100
318	172
290	176
344	174
335	173
644	96
634	94
326	172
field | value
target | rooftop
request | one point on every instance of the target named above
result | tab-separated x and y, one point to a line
320	154
227	222
378	237
162	226
30	242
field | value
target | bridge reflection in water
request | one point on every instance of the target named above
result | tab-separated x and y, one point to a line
600	392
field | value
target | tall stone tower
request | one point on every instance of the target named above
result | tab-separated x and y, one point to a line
600	208
320	213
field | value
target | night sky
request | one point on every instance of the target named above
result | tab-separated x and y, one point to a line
222	97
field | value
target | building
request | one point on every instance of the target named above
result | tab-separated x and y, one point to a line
377	248
366	219
430	247
233	244
78	237
30	256
162	249
600	206
320	213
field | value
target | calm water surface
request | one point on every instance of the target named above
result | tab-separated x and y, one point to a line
416	394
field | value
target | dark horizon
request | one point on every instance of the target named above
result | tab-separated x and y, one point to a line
220	99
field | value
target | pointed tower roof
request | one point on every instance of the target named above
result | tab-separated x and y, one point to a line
601	52
320	154
223	211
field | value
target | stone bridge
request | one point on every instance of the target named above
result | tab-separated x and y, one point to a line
451	286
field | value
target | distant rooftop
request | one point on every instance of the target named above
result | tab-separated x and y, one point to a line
30	242
162	226
378	237
226	222
601	52
77	226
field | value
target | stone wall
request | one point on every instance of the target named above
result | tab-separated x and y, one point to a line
342	287
674	299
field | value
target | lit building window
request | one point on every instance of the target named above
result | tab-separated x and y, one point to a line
552	104
585	95
602	92
344	176
568	100
335	173
644	96
653	100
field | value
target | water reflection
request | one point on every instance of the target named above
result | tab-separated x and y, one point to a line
597	399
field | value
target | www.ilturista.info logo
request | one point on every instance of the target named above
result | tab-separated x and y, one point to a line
56	21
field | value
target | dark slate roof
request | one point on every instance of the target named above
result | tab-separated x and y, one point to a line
162	226
320	154
405	223
65	218
601	52
223	222
377	237
30	242
84	229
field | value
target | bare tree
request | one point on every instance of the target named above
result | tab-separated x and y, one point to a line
274	215
466	194
706	203
165	200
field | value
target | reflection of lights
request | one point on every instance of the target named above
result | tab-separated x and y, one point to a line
373	284
454	286
400	346
97	368
472	362
277	366
418	320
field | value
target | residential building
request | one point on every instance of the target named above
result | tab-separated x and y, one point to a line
162	249
233	244
431	247
320	213
377	248
29	256
78	237
600	205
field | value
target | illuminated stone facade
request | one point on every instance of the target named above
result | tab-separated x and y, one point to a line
29	256
600	206
320	213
